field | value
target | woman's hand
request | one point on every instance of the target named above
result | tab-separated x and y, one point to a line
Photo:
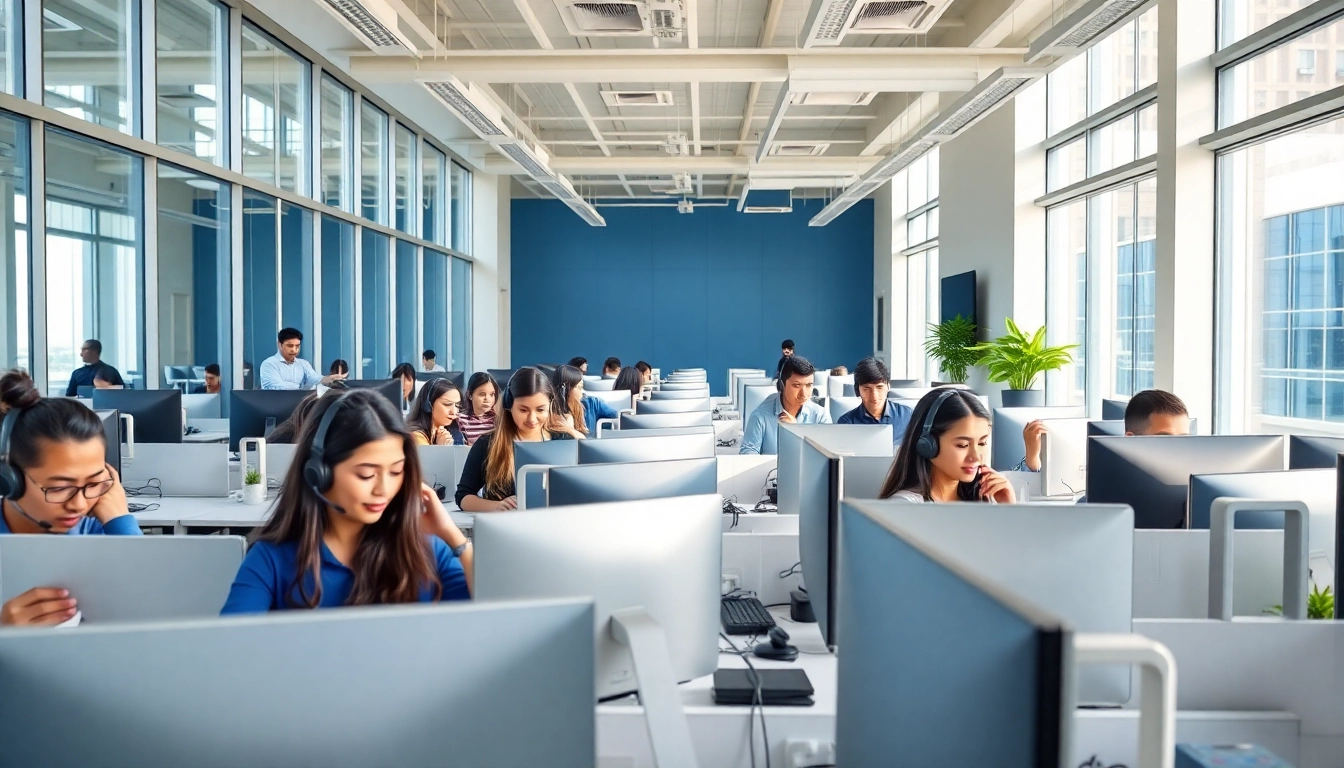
507	505
442	436
995	487
113	503
436	519
39	606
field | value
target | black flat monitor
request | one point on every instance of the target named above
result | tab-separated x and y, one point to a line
547	452
84	392
695	445
1152	474
157	412
255	412
1116	428
638	481
957	297
1311	452
1114	410
457	377
111	420
1339	536
389	388
501	376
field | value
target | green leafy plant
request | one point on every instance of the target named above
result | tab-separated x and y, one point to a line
1019	358
951	343
1320	605
252	477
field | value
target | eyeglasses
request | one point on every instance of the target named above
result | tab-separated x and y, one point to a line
64	493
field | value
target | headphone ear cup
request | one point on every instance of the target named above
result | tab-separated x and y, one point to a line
779	383
507	400
11	482
317	475
927	447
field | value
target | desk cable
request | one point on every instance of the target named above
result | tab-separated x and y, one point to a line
141	507
152	487
730	508
796	568
1095	762
756	703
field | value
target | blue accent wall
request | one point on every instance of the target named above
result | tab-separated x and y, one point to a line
715	288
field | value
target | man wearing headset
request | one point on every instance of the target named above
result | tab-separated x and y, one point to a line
792	404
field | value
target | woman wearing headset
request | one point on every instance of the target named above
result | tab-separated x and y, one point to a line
53	480
434	414
354	525
487	483
576	412
944	454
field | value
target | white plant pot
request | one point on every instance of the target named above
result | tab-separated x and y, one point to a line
254	494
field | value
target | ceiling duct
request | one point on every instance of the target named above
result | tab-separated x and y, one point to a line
1079	30
375	23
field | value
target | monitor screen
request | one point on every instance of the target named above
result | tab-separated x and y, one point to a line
157	412
957	297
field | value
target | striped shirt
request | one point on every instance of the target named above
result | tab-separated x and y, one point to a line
474	426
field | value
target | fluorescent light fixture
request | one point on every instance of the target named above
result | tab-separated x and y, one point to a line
374	22
1089	23
473	107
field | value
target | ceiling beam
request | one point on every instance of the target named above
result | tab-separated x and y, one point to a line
776	119
898	116
705	164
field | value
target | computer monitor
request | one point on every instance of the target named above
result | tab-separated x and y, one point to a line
389	388
839	406
905	383
1313	487
691	394
595	483
742	383
1311	452
255	412
85	392
835	386
112	434
856	439
1064	457
601	385
157	412
311	696
125	578
1117	428
556	453
659	432
695	445
1006	446
661	555
457	377
1114	410
672	406
1152	474
501	376
972	649
631	421
619	400
685	386
203	406
753	397
1075	561
737	373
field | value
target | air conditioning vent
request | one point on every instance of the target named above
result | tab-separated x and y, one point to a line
830	20
1081	28
785	149
375	22
884	17
622	18
834	99
637	98
473	108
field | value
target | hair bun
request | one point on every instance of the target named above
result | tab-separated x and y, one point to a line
17	390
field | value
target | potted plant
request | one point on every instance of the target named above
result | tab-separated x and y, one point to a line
254	487
1018	359
952	343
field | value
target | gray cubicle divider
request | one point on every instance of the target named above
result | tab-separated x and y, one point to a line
202	406
125	578
178	469
279	457
858	439
443	464
1171	573
841	405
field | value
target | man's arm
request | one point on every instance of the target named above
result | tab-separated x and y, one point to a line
310	377
753	434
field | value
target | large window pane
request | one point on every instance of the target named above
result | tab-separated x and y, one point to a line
338	292
89	60
261	282
461	324
1066	164
274	112
192	61
1113	145
461	209
338	159
1122	231
195	276
437	283
406	219
1112	73
408	318
1284	75
296	268
373	162
11	47
376	290
1067	94
15	263
434	195
1281	301
1066	299
1239	18
95	257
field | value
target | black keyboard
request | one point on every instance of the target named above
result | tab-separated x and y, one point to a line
745	616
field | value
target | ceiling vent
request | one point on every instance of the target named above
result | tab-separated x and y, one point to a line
793	149
753	200
676	145
375	23
637	98
830	20
622	18
1080	29
833	99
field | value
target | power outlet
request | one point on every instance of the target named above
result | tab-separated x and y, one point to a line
802	753
729	581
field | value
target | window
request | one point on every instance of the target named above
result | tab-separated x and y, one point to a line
438	280
296	267
72	32
338	293
261	291
1066	299
1237	84
95	257
195	275
373	163
406	219
914	201
274	112
193	92
1240	18
338	159
11	47
408	318
461	210
376	292
433	196
1306	62
461	322
15	256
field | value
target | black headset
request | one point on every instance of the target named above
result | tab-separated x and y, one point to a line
927	446
316	471
506	399
11	478
432	395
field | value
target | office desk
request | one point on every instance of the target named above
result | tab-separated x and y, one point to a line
185	514
206	437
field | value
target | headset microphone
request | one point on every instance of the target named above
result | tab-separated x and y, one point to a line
43	524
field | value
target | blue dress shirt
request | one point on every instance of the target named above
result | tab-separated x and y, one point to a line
124	525
270	571
594	409
897	415
278	374
761	432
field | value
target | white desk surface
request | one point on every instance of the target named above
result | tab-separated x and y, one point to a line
206	437
181	513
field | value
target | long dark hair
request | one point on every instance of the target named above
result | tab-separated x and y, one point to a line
479	379
57	420
629	379
287	431
499	462
912	472
421	418
568	401
393	561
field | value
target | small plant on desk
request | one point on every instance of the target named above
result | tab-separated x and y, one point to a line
1320	604
252	477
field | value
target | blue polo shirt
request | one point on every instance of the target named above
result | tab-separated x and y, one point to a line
269	571
897	415
124	525
761	432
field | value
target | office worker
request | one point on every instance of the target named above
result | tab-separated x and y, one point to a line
53	480
487	483
785	352
91	352
354	524
611	368
841	370
581	363
429	362
791	404
286	370
478	412
103	380
944	454
1150	412
871	381
211	385
434	414
405	372
645	372
573	408
339	367
629	379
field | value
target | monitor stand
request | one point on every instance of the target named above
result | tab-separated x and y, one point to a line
668	730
